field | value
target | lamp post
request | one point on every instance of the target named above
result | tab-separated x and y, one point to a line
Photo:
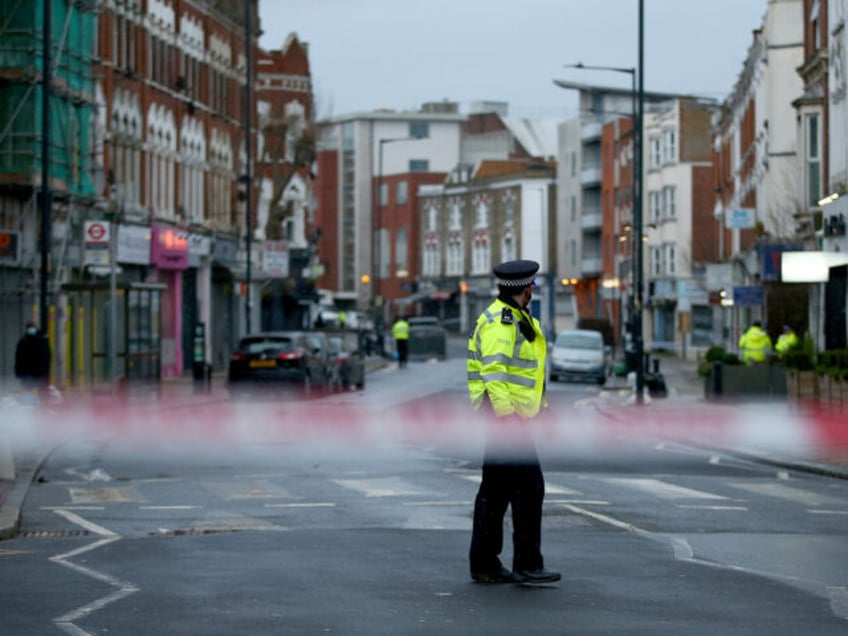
638	105
248	207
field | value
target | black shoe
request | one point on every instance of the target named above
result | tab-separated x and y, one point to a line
501	576
538	576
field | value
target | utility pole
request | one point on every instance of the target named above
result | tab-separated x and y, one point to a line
46	208
639	346
248	207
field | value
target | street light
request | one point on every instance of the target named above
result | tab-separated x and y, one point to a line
638	105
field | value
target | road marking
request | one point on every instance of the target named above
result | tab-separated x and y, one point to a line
84	523
438	503
13	552
168	507
585	502
798	495
706	507
301	505
104	495
610	521
828	512
66	621
662	489
382	487
54	508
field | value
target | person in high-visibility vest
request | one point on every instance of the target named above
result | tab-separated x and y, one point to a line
400	332
787	341
755	344
506	384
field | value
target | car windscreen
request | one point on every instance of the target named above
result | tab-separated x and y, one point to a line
578	341
267	345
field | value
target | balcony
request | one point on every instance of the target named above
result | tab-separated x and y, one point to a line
590	267
590	175
591	220
590	131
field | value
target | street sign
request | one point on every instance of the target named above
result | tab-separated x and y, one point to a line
740	218
96	236
748	296
9	247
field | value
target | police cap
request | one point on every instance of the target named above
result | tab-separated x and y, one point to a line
516	273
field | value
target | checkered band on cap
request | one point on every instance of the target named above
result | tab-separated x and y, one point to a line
516	282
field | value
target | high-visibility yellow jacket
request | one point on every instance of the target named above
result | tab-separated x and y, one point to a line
785	342
754	345
400	330
504	365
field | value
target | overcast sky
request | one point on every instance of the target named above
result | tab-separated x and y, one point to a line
368	54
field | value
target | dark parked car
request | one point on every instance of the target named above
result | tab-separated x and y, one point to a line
281	358
349	360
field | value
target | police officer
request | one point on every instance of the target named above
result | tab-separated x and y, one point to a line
400	332
786	342
506	374
755	344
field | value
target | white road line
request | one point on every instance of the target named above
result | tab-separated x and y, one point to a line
88	525
705	507
301	505
438	503
662	489
383	487
66	621
583	502
168	507
798	495
54	508
828	512
610	521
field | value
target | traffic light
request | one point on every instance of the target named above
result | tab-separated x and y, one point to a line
463	287
365	279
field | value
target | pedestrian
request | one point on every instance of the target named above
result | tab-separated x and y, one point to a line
786	342
32	361
342	316
755	344
506	384
400	332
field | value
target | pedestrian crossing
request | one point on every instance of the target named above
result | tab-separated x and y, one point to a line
425	499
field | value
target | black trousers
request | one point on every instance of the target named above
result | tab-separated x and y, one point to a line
520	485
402	351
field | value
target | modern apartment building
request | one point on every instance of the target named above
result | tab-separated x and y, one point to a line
360	157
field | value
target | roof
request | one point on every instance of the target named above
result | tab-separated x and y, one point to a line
537	136
489	168
650	96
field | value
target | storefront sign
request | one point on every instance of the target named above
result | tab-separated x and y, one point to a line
134	244
748	296
198	247
275	258
96	236
225	251
169	248
10	250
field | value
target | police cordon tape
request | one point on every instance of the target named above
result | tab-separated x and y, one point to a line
773	428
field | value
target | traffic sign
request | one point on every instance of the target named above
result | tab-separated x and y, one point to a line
96	242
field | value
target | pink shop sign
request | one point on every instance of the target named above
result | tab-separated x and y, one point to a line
169	248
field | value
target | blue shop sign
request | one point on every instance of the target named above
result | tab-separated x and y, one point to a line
748	296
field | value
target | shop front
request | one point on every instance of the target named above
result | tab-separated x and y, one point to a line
170	256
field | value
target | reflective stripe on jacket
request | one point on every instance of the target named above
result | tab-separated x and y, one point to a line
503	365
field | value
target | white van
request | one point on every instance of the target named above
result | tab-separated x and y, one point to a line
579	354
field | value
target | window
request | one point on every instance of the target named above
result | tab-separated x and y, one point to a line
383	254
669	146
455	220
655	261
419	129
480	254
654	206
432	218
573	209
813	159
401	193
573	164
401	253
669	259
509	211
419	165
668	204
573	252
654	149
384	194
432	257
508	248
455	261
481	216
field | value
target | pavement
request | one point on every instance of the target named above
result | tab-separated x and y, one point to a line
685	393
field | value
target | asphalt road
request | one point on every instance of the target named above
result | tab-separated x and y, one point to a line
353	516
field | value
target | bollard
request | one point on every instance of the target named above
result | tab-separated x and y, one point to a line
716	377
